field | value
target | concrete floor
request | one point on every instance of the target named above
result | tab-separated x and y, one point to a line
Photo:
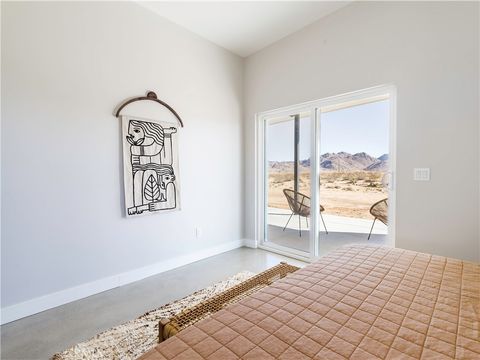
334	223
341	231
290	238
40	336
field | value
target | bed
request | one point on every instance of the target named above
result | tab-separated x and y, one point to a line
359	302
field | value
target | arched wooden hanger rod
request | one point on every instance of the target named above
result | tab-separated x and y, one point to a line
152	97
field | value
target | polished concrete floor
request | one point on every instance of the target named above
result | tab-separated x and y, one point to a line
40	336
291	238
334	223
341	231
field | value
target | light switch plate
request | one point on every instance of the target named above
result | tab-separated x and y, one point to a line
421	174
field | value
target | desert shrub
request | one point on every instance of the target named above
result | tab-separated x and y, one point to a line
281	177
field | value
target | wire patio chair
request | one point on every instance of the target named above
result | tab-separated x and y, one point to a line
379	211
300	205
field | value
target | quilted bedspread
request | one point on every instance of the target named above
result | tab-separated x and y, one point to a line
359	302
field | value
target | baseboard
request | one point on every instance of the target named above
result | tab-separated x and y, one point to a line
49	301
251	243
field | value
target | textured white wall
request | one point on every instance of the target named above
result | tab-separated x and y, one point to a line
430	51
65	66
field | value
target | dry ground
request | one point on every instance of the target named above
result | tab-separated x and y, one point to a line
341	193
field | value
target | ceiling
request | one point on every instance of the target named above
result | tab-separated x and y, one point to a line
243	27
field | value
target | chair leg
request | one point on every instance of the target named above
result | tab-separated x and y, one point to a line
321	217
288	222
300	225
371	228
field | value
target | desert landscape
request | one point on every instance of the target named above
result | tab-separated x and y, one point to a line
349	184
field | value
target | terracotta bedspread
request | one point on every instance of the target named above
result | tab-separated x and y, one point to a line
359	302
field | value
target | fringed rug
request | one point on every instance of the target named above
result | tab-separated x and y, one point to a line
135	337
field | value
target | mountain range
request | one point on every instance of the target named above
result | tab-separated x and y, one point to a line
341	161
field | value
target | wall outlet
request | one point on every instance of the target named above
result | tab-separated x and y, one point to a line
198	232
421	174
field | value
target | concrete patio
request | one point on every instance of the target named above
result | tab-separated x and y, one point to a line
341	231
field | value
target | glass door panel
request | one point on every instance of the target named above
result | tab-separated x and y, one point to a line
287	183
353	167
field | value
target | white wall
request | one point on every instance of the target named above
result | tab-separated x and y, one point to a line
65	66
430	51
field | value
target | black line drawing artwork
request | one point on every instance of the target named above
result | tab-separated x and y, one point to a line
150	166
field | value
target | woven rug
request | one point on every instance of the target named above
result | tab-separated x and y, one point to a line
135	337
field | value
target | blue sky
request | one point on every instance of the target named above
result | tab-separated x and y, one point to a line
362	128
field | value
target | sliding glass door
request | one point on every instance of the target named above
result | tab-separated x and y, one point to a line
325	174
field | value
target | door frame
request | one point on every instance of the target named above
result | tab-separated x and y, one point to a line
316	108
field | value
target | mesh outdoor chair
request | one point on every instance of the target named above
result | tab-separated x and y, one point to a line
300	205
379	211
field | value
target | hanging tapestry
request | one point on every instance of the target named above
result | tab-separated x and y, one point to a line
150	163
